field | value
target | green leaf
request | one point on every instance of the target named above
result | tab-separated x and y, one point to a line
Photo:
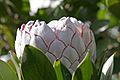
101	48
111	2
107	69
84	70
104	14
116	68
57	67
6	72
95	75
16	62
114	7
36	66
61	71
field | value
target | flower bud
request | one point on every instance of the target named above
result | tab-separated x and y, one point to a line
66	39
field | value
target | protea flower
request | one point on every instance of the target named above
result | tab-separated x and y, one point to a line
66	39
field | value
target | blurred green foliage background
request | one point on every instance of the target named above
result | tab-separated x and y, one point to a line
102	15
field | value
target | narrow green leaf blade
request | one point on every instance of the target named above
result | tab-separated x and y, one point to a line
36	66
84	70
6	72
57	67
15	61
61	71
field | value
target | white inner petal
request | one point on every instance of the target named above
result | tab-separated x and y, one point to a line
25	38
28	26
75	22
53	24
42	29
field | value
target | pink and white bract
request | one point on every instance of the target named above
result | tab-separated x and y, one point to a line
66	39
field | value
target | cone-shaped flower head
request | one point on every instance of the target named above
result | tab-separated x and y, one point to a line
66	39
